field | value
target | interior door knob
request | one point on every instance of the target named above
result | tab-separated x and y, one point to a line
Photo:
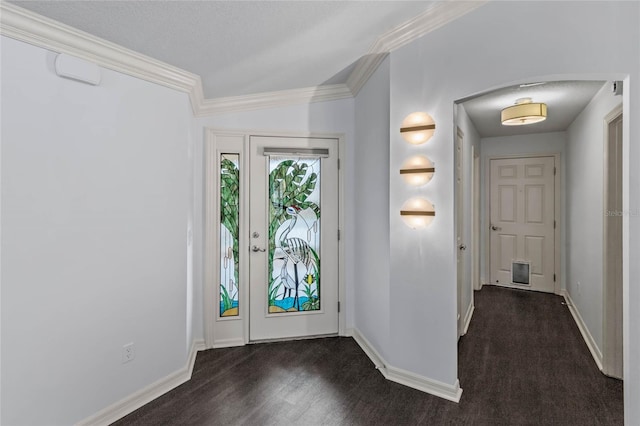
495	228
462	247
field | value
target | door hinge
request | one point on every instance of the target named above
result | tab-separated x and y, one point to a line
554	224
554	278
554	171
338	306
338	164
338	235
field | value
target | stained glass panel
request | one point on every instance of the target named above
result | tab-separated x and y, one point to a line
294	234
229	234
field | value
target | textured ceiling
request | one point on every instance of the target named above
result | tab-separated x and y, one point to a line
564	99
241	47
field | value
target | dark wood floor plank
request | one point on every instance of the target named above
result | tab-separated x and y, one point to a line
523	362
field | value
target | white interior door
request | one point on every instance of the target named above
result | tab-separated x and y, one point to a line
460	209
522	212
293	241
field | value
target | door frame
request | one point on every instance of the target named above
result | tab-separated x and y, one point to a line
464	258
557	268
225	332
460	229
609	305
476	280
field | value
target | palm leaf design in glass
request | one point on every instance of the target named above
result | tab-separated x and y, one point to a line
229	234
294	234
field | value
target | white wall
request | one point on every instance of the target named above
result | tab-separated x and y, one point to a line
585	210
320	117
470	140
134	179
530	144
94	209
590	40
371	204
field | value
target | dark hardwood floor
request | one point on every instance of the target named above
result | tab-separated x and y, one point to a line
522	362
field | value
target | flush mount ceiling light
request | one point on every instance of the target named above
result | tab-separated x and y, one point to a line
417	128
524	112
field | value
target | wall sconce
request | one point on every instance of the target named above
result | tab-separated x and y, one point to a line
417	213
417	128
417	170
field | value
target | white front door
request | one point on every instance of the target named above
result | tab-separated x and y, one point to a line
293	241
522	214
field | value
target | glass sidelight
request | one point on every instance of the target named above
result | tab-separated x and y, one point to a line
229	234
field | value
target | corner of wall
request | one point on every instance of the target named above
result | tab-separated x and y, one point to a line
449	392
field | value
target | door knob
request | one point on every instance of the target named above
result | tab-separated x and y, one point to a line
495	228
462	247
256	249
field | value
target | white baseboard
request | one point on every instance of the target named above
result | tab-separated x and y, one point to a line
136	400
228	343
407	378
369	350
196	346
584	330
424	384
467	318
144	396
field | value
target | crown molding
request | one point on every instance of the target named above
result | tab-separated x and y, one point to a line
196	97
24	25
274	99
363	70
438	15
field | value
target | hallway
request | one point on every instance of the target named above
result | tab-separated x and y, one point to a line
522	362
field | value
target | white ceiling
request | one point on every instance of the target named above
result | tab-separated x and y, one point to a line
564	99
241	47
247	47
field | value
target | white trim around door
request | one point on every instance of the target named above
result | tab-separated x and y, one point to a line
612	265
226	331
